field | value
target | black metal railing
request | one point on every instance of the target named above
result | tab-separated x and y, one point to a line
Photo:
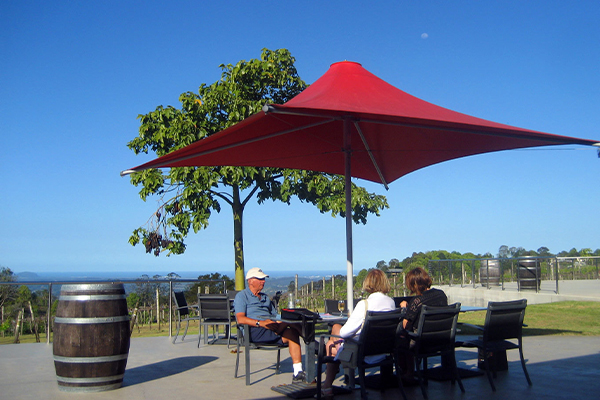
54	291
527	272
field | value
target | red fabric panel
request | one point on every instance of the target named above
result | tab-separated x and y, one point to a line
403	132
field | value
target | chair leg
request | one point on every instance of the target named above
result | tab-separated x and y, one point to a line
247	358
523	365
187	325
420	376
278	360
486	362
319	377
237	360
399	375
456	373
178	327
361	380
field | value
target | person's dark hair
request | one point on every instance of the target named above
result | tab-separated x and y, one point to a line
376	281
418	280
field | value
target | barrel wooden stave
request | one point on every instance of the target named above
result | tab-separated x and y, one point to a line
527	275
91	337
489	271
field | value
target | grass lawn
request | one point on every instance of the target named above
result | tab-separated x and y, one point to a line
573	318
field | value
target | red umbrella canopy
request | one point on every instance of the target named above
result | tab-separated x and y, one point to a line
390	132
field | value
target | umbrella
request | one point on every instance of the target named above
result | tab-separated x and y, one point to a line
352	123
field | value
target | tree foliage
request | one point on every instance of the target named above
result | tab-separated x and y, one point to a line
189	195
7	292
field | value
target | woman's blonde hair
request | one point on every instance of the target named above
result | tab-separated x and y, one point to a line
376	281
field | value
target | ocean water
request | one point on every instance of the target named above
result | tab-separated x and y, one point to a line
278	281
130	275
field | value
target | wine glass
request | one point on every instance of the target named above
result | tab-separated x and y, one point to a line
341	306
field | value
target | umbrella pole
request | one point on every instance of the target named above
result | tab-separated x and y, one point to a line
348	190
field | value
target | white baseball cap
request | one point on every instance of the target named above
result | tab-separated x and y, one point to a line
256	273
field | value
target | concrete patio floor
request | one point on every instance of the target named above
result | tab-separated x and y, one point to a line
561	367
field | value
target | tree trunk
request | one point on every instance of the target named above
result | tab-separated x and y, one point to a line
34	324
17	327
157	308
238	239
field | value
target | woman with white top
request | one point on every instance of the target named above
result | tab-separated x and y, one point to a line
377	285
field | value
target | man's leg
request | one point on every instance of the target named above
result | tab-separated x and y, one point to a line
291	337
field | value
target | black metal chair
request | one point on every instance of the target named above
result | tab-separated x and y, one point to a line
243	342
435	336
185	313
503	324
331	307
377	337
215	310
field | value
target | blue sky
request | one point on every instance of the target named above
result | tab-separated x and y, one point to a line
75	75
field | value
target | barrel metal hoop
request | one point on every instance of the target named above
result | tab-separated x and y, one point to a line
90	360
99	379
91	286
92	297
88	389
94	320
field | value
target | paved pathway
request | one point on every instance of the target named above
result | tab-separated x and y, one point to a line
560	367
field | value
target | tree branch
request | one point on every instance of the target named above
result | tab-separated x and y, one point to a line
225	196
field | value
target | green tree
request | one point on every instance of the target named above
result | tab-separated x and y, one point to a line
144	291
544	251
8	293
213	287
393	264
189	195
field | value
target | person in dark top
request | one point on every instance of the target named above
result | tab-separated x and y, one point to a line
418	282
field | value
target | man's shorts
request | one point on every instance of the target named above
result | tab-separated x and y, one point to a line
263	335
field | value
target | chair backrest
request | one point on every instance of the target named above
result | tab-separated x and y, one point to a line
231	294
504	320
378	334
331	306
181	303
437	328
214	306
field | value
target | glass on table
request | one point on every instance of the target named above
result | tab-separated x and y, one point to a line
341	306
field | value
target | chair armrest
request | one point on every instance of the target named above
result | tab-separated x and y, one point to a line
410	334
321	343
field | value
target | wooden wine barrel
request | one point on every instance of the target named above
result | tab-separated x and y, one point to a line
530	274
489	271
91	337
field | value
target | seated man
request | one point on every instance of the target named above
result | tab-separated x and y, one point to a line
255	309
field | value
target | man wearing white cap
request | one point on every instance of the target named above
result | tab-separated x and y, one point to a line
255	309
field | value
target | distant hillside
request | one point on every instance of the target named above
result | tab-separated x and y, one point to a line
282	283
27	276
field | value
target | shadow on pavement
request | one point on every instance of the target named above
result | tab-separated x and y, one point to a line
163	369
